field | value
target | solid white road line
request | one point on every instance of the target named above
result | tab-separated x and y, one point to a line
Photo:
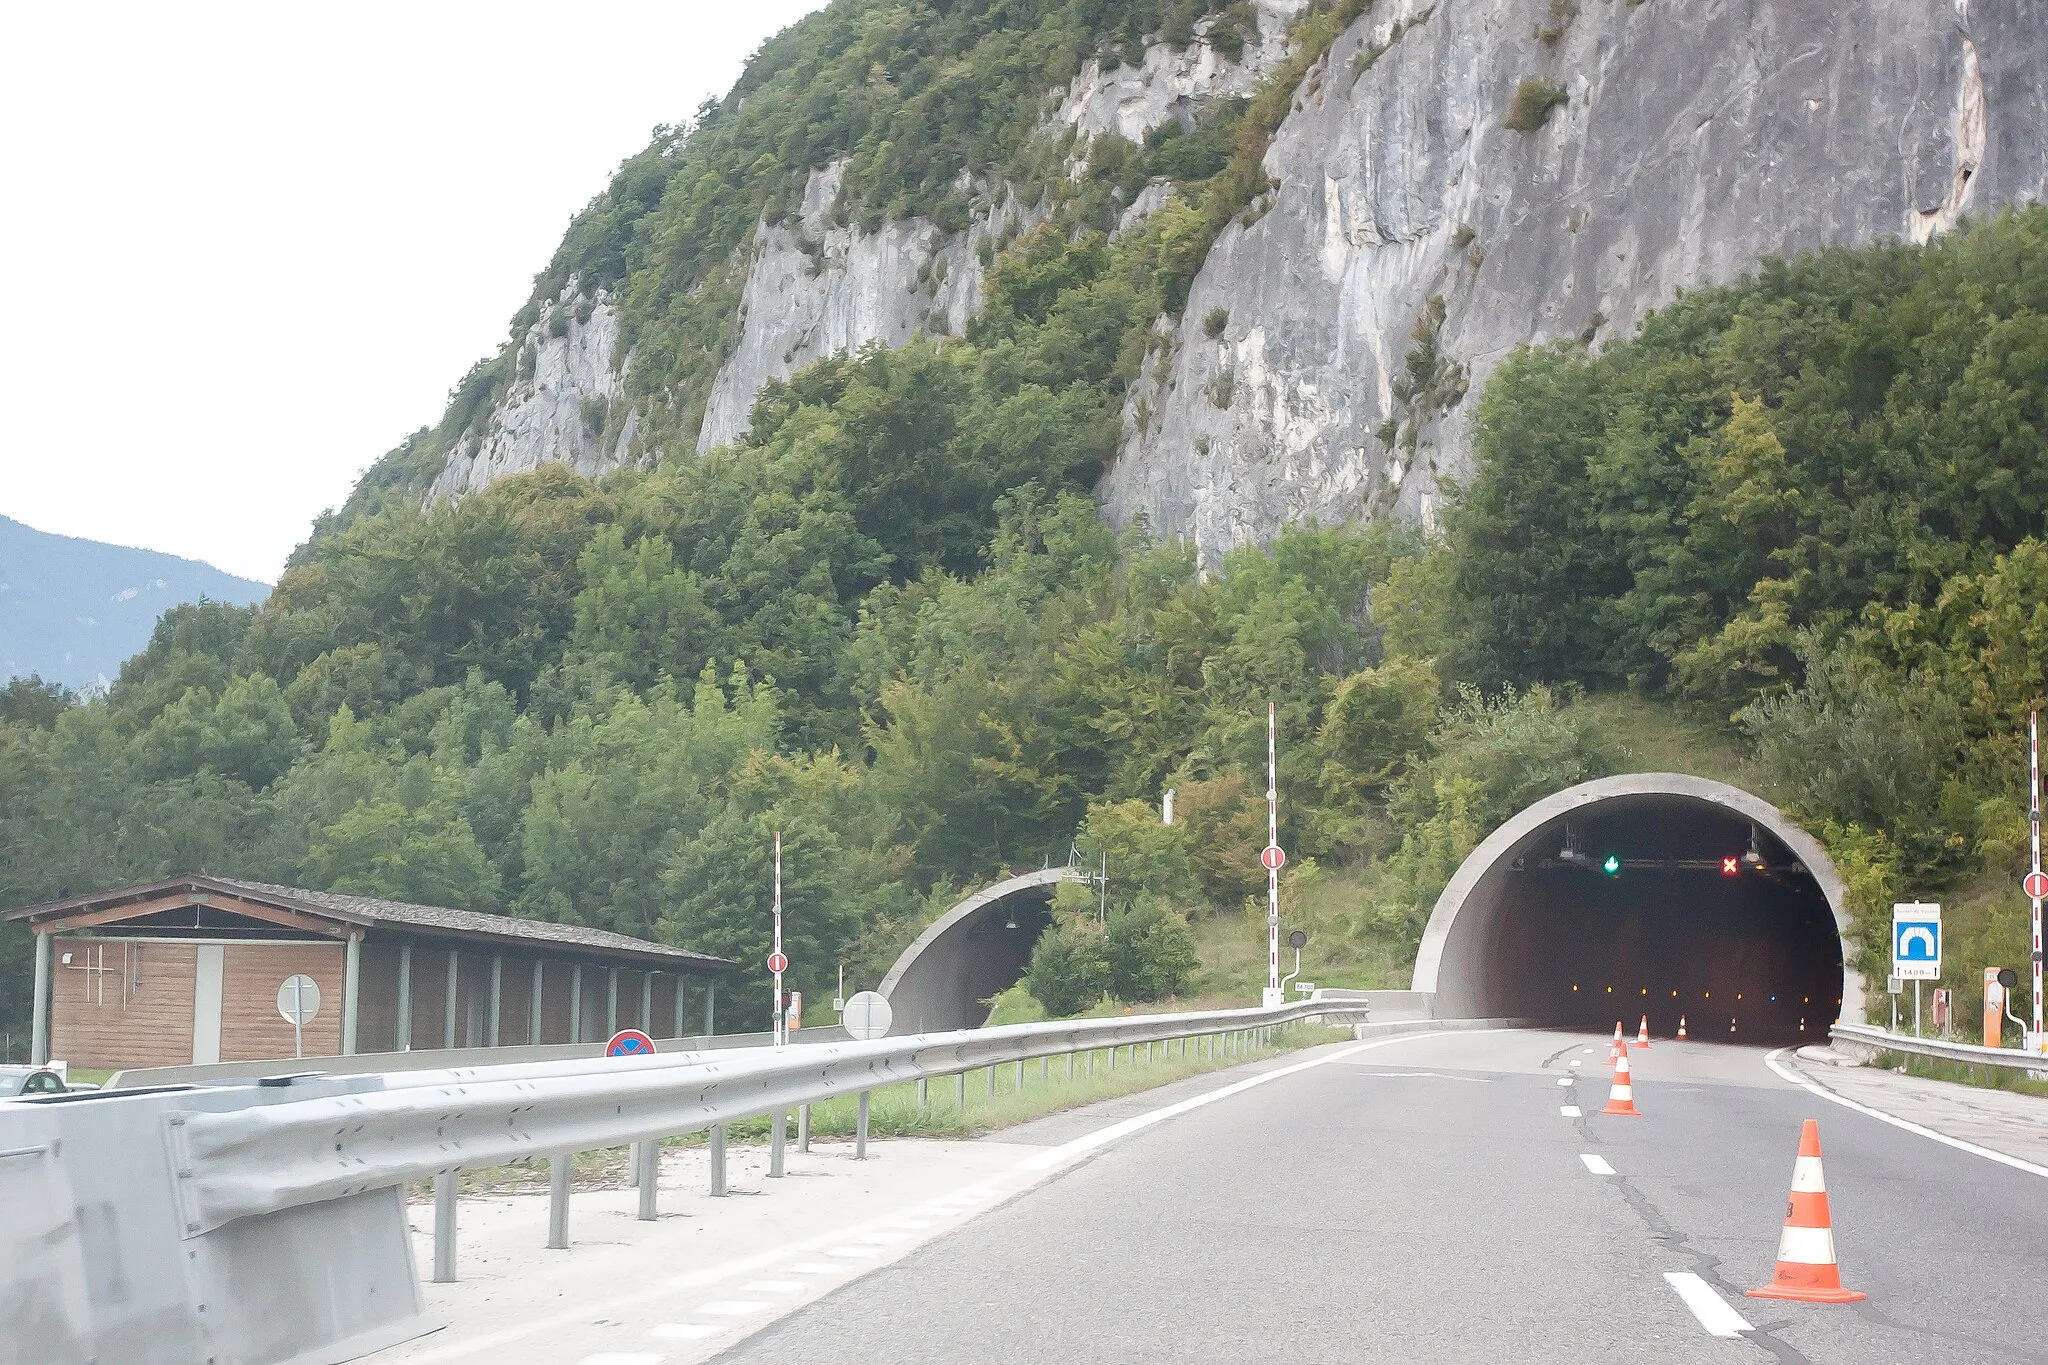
1570	1111
1710	1308
1771	1061
1596	1164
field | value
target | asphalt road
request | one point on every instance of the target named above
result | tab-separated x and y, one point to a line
1427	1200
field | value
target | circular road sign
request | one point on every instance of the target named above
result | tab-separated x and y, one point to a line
629	1042
2036	885
778	962
867	1015
1297	939
298	999
1273	858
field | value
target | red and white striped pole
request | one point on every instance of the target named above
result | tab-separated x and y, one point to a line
780	1036
2034	882
1273	859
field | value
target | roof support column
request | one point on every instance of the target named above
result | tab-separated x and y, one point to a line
351	993
448	1014
39	1028
403	1042
533	1014
611	1002
497	997
576	1003
681	982
710	1005
647	1002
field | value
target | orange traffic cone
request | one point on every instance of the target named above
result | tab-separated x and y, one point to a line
1806	1248
1643	1033
1681	1028
1617	1047
1621	1097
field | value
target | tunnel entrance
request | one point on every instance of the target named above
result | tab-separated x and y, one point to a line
976	950
1657	894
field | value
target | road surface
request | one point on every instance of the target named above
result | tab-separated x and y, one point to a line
1433	1199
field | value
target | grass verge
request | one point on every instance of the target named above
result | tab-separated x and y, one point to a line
1962	1073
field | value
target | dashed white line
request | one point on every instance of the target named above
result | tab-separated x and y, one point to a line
1710	1308
1596	1164
617	1358
1575	1062
1564	1080
731	1308
854	1251
814	1268
685	1331
771	1286
1570	1111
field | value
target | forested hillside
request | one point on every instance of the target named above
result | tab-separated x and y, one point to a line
1804	509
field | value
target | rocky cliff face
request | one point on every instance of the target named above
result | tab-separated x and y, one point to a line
1414	239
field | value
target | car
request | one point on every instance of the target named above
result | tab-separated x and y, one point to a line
20	1081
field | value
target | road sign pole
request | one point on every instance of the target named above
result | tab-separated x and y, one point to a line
776	1015
1916	1007
298	1016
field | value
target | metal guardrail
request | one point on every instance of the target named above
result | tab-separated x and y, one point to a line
247	1162
1864	1038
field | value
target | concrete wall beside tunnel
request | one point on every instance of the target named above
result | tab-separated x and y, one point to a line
1523	930
976	950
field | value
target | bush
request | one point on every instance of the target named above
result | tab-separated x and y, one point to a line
1069	967
1150	953
1534	99
1214	322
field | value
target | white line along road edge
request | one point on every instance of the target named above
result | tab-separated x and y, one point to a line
1786	1073
1710	1308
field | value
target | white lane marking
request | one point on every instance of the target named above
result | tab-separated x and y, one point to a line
1771	1061
885	1238
1054	1157
1710	1308
1433	1075
914	1224
1586	1050
771	1286
1596	1164
616	1358
731	1308
1570	1111
1575	1062
1566	1080
814	1268
855	1251
685	1331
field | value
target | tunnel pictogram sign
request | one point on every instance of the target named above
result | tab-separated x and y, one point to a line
1916	942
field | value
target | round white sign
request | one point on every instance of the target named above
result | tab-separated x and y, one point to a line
298	999
866	1016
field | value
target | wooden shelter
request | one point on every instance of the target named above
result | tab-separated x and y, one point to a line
188	971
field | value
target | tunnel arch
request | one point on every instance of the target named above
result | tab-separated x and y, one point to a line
970	953
1514	922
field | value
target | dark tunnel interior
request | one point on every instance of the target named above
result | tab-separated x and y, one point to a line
949	984
1627	908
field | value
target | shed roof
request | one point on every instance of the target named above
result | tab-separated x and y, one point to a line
332	912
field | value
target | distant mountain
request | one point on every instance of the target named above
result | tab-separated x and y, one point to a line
74	610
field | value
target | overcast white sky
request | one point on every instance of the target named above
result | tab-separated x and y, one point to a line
244	249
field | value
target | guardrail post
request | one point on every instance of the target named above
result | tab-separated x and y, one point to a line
775	1141
991	1082
1112	1057
558	1202
1020	1075
1045	1067
960	1091
803	1128
1070	1068
650	1177
718	1161
444	1228
924	1091
860	1130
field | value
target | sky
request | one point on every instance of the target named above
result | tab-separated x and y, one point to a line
246	248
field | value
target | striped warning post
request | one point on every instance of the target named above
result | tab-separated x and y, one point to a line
1681	1028
1621	1096
1617	1047
1806	1248
1643	1033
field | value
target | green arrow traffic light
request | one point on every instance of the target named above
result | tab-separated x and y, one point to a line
1611	866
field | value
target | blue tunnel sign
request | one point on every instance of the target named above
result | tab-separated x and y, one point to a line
1916	942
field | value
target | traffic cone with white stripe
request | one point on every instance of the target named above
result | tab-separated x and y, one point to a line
1617	1047
1621	1096
1681	1028
1806	1248
1643	1033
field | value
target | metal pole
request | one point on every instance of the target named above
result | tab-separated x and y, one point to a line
2034	834
803	1128
1019	1077
924	1094
558	1202
710	1008
444	1228
650	1177
1070	1068
611	1001
960	1091
39	1026
647	1001
1273	857
404	1039
351	993
717	1161
860	1130
777	1135
681	982
298	1014
533	1006
991	1082
448	1009
497	998
775	1017
1045	1067
1916	1007
576	1003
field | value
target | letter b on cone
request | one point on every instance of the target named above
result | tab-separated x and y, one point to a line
1806	1248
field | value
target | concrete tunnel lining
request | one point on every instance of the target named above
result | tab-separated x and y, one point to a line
939	981
1465	929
